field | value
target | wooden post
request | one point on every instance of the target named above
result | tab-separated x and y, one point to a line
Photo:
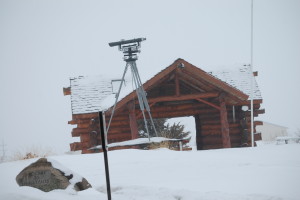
224	123
132	120
198	132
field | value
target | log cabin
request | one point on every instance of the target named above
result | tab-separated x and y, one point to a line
219	102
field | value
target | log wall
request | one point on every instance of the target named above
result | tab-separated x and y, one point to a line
207	121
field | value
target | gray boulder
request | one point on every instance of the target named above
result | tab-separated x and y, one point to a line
42	175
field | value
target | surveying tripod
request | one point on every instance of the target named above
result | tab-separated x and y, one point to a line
130	48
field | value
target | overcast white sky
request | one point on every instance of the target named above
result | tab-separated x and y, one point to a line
43	43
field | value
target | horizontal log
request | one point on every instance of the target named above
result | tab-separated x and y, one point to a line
75	146
210	112
177	98
84	145
238	108
76	132
176	113
119	127
218	126
255	112
119	137
115	123
215	126
248	102
257	137
232	131
84	137
86	116
186	97
212	146
87	151
118	130
67	91
220	146
90	118
258	123
73	122
89	126
165	108
217	139
210	121
157	111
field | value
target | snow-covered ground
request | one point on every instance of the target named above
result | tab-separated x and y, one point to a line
269	172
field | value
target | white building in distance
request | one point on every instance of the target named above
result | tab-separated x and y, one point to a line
269	131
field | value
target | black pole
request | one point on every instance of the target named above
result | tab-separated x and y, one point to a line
105	155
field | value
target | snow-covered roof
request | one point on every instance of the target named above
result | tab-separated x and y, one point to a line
239	78
88	93
95	93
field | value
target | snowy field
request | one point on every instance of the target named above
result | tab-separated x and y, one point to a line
269	172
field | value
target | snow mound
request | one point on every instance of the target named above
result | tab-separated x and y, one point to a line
269	172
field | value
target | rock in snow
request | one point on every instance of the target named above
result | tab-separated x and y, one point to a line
44	176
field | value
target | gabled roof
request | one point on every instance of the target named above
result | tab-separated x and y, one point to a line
94	93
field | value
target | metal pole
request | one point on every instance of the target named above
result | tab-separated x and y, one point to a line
252	124
102	133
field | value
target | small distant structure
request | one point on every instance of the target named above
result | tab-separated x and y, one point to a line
219	101
269	131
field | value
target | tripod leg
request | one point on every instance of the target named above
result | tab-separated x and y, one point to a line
152	123
143	94
117	96
138	92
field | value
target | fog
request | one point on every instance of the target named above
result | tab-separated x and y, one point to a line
43	43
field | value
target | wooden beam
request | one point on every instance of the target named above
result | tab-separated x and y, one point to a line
248	102
76	132
255	112
86	116
209	103
67	91
184	97
75	146
175	113
224	124
179	107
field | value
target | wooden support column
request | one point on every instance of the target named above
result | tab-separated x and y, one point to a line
224	123
132	120
199	142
